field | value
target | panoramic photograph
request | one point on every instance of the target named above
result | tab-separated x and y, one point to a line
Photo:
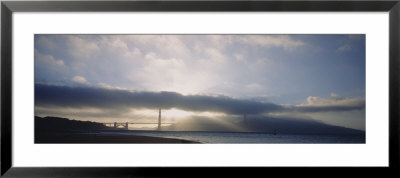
199	88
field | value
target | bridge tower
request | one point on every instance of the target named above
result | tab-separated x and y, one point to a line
126	125
159	119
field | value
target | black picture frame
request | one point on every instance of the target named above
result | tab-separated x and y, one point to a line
8	7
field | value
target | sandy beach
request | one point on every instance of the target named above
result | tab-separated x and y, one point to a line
52	137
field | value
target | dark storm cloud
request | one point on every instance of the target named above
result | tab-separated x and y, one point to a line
335	103
332	108
80	97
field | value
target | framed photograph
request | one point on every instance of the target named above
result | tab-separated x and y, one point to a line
141	88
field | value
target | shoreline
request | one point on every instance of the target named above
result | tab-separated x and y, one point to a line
73	137
103	137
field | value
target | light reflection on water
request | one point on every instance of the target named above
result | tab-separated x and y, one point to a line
248	137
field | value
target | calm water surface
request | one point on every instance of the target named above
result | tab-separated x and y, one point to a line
248	137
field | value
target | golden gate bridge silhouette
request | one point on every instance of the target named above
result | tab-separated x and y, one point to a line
125	125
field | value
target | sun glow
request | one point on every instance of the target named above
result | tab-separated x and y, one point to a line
175	113
211	114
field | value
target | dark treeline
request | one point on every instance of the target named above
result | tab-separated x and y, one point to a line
57	124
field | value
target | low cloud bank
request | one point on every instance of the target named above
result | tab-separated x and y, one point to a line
92	97
80	97
335	103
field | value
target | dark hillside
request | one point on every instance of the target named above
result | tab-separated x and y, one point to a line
57	124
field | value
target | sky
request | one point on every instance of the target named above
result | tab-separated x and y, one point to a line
128	77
